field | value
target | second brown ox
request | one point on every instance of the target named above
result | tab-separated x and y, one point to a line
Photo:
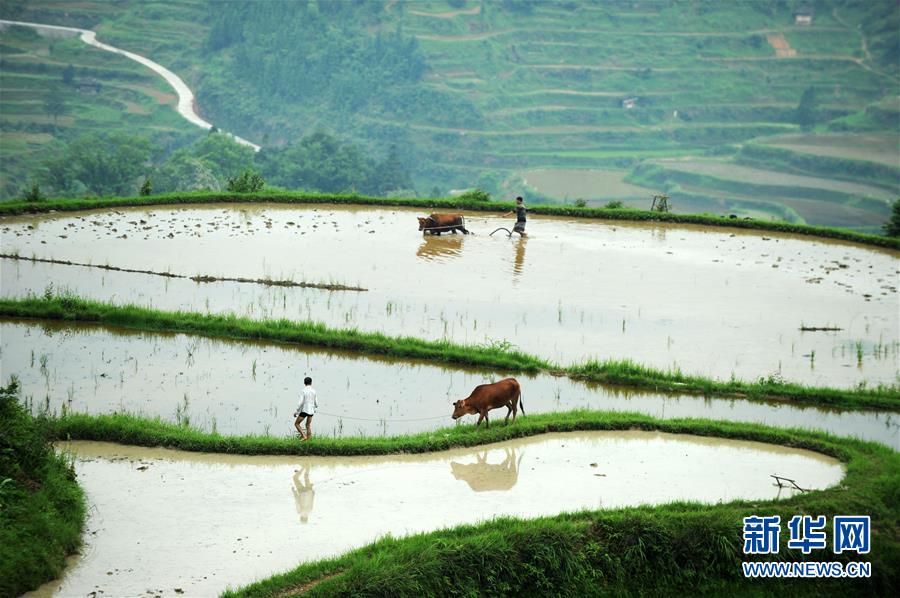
505	393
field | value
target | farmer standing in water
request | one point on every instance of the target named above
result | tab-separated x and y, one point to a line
306	409
520	216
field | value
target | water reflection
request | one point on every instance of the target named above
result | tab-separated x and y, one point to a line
519	264
434	248
303	492
483	476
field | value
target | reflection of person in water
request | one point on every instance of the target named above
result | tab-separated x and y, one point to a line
439	248
519	265
303	493
482	476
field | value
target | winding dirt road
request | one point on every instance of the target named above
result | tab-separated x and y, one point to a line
186	100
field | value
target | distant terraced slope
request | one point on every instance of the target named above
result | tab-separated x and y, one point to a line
105	94
552	86
523	92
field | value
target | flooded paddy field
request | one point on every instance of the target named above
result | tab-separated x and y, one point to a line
236	387
709	301
165	522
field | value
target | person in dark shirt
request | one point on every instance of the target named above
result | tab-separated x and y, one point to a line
520	216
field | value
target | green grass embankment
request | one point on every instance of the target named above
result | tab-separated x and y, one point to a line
74	309
301	198
42	508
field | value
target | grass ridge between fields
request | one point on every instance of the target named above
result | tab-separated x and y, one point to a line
300	198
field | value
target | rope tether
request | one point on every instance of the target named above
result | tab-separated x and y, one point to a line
386	419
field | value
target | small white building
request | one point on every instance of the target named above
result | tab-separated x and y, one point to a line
803	16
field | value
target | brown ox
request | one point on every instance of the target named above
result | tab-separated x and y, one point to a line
442	223
505	393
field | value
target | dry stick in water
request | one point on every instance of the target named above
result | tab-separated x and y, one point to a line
198	278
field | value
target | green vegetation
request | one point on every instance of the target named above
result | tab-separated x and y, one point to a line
462	94
102	164
34	194
57	89
892	226
799	197
474	195
42	509
74	309
785	160
204	165
248	181
322	162
675	548
294	197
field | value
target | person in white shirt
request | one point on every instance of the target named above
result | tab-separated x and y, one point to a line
306	409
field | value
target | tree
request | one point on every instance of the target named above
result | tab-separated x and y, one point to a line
318	162
99	164
55	104
892	226
389	175
147	187
223	154
183	172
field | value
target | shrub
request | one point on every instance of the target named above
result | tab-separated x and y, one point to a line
147	187
580	203
249	181
41	506
614	205
475	195
34	194
892	226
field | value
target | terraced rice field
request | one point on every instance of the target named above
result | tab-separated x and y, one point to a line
238	388
251	516
746	174
881	149
587	184
717	303
713	301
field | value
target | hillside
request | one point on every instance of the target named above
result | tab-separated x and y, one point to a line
730	107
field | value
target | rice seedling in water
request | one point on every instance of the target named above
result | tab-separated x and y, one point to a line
181	413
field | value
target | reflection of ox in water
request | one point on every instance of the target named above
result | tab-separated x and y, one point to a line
443	223
440	248
483	476
505	393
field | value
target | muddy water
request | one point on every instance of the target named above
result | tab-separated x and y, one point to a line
713	302
165	520
252	388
